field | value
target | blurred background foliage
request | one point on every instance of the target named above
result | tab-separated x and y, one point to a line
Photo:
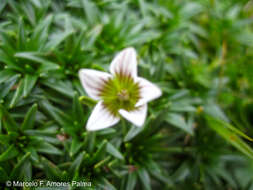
196	136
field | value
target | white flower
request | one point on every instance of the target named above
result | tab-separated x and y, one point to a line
121	93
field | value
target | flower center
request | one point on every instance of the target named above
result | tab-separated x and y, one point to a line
120	92
123	95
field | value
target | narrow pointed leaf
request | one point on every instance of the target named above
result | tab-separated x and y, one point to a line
133	132
60	117
3	175
18	94
144	177
18	168
30	118
75	146
2	6
113	151
29	83
131	181
106	185
8	122
78	110
60	86
5	75
230	136
52	171
45	147
178	121
90	11
10	153
76	163
100	151
57	39
45	65
21	35
7	86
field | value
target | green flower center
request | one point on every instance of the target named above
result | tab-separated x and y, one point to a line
120	92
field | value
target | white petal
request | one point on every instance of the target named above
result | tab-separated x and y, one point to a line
100	118
125	62
148	91
137	117
92	81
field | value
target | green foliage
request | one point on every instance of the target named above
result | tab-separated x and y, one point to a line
199	53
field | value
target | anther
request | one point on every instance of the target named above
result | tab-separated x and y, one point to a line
123	95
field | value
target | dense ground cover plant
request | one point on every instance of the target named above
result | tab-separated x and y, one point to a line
198	52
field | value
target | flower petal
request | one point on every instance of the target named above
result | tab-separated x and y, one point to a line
92	81
137	117
148	91
125	62
100	118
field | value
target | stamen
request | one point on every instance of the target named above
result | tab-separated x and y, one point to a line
123	95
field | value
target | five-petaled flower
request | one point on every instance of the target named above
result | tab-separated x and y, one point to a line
121	93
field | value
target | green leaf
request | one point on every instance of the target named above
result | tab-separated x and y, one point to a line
90	11
144	177
75	146
235	130
133	132
182	107
7	86
106	185
34	155
45	147
40	34
56	39
215	111
75	165
100	152
102	162
78	110
6	74
181	173
90	140
178	121
8	47
45	65
155	170
230	136
2	6
131	181
56	114
107	131
29	118
3	175
190	9
51	170
21	35
8	121
113	151
144	37
26	173
10	153
29	83
62	87
18	169
50	130
18	94
4	139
